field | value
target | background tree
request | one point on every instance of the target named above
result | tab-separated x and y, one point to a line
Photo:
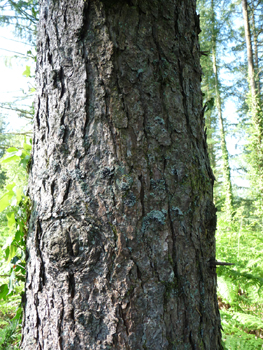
212	88
14	205
208	85
255	146
22	16
236	240
225	156
121	246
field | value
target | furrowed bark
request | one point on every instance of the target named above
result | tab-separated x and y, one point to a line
122	230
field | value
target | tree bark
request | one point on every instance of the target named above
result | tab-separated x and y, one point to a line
123	224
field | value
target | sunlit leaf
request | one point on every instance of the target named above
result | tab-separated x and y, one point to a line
3	291
26	146
8	241
12	252
11	219
10	187
19	194
19	235
10	159
26	73
4	202
12	279
12	149
19	313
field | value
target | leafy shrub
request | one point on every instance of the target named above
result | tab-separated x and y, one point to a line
16	206
240	287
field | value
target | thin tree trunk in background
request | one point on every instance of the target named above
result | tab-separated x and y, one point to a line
225	155
255	39
122	231
256	150
210	147
251	71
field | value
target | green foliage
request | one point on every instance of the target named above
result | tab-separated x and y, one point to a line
22	15
26	73
241	286
210	104
23	155
235	338
240	242
10	336
211	17
253	152
15	206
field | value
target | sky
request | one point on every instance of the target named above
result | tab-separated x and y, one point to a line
12	81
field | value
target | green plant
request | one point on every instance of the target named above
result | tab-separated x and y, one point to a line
9	336
16	206
240	287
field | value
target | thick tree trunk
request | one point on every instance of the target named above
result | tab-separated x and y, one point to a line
122	232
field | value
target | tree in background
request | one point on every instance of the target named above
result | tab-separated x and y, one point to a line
14	204
211	85
255	146
225	156
3	146
121	244
22	15
238	241
255	32
208	86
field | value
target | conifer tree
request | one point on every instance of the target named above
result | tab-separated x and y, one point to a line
121	243
210	38
255	145
21	16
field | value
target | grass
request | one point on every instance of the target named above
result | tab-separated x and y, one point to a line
10	328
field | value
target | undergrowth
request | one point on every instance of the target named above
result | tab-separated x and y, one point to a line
240	286
14	214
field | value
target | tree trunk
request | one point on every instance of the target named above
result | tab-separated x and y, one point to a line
256	132
255	39
225	157
211	122
251	71
122	230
